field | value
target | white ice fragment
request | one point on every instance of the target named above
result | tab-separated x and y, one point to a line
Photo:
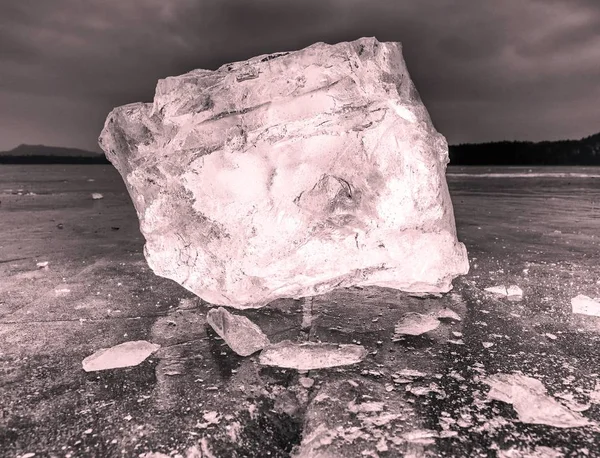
127	354
310	355
497	290
415	324
540	451
585	305
487	344
365	407
97	196
551	336
42	264
242	335
410	373
306	382
456	341
514	291
531	401
447	313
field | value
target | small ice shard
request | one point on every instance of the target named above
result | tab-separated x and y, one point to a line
447	314
411	373
306	382
242	335
497	290
456	341
127	354
487	344
425	295
415	324
42	264
309	355
97	196
540	451
585	305
551	336
210	418
420	436
532	403
366	407
514	292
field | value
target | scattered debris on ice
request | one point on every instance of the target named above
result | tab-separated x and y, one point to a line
210	418
97	196
513	292
411	373
310	355
42	265
242	335
530	400
585	305
540	451
127	354
366	407
415	324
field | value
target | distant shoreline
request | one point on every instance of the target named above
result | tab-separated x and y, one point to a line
36	160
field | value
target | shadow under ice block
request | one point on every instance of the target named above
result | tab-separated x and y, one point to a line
289	175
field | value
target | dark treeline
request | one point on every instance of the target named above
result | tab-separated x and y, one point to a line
53	160
563	152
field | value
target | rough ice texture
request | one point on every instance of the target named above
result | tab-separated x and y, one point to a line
290	174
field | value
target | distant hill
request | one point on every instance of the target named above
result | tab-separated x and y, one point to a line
42	154
563	152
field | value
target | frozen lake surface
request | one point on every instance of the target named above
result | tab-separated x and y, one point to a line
538	228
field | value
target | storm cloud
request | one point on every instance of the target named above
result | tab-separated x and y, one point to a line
516	69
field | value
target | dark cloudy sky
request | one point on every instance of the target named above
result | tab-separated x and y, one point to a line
487	70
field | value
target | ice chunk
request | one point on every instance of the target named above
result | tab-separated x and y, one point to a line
308	356
415	324
242	335
530	400
585	305
126	354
